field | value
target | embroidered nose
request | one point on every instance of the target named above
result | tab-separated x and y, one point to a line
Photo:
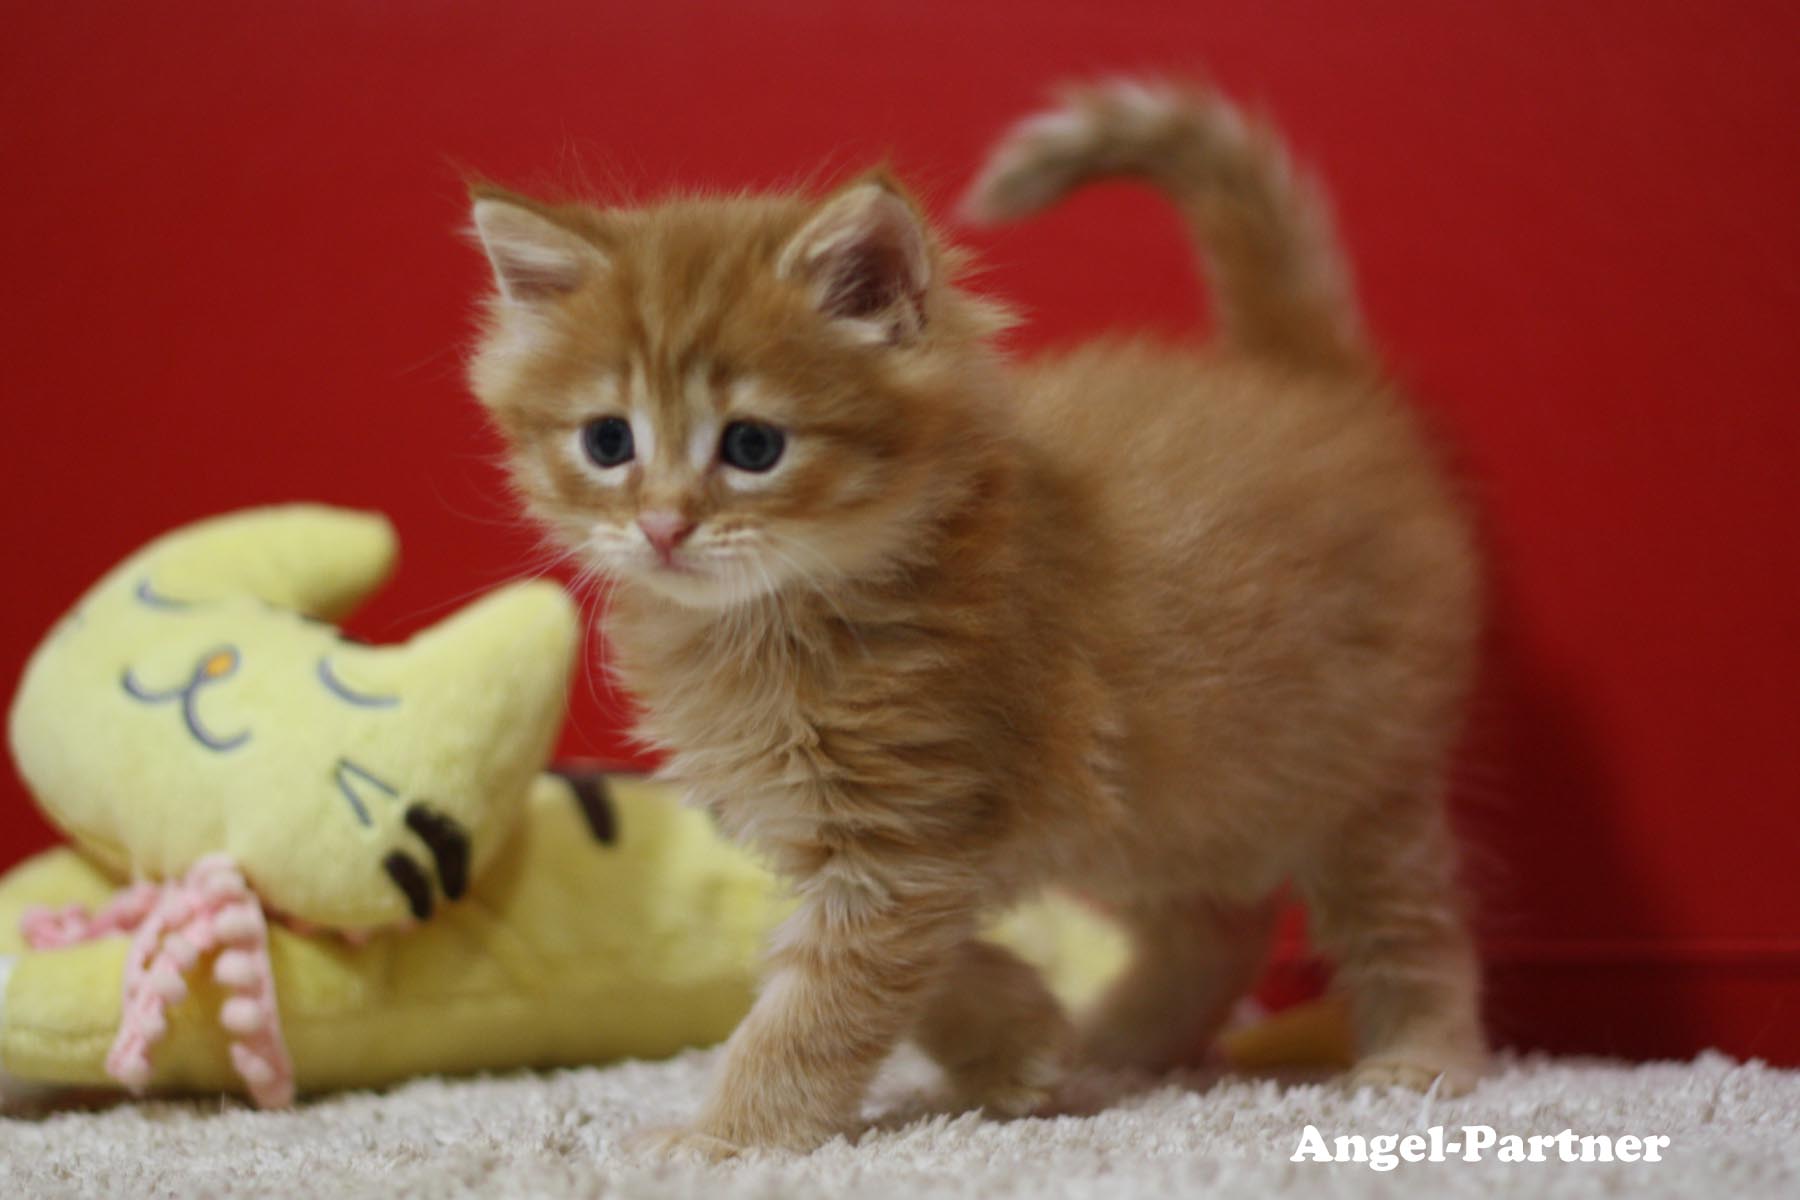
218	664
665	531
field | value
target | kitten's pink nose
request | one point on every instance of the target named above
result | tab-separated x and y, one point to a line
665	531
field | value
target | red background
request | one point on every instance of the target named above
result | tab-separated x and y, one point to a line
233	277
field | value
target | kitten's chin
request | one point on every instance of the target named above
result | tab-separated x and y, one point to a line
704	591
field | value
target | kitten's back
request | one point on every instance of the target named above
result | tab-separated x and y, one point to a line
1282	551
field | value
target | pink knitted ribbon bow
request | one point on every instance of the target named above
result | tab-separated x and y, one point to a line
171	926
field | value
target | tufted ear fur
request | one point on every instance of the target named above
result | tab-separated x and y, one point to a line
867	258
534	257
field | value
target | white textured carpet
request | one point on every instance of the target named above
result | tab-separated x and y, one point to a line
1733	1131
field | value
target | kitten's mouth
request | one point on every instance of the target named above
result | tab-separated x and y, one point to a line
682	572
688	580
673	564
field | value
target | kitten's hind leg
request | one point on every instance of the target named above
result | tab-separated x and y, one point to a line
1383	903
996	1030
1192	959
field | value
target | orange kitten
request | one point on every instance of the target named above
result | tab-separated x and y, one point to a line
1170	625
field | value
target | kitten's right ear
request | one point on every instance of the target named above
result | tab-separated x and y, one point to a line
533	257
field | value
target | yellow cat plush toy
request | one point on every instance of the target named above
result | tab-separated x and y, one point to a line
302	863
197	701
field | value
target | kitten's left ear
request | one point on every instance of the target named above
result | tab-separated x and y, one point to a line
533	257
866	256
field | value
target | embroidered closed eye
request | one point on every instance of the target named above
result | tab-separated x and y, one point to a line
149	597
343	691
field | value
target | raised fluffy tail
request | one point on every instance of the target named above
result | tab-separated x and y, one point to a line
1263	227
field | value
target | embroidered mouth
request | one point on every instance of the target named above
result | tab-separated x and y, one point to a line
214	666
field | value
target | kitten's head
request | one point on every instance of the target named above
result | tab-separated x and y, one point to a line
721	398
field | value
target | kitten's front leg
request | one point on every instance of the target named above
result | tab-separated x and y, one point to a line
848	978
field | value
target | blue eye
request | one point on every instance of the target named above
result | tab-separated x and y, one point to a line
751	445
607	441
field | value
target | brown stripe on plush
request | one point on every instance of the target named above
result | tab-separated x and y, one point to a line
409	877
449	846
596	804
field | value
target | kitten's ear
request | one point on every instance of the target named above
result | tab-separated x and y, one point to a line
866	256
533	257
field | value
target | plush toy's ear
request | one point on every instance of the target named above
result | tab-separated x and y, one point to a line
314	559
533	256
867	258
524	633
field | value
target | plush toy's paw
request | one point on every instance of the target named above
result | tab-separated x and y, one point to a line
1314	1033
1452	1075
16	1094
681	1143
23	1096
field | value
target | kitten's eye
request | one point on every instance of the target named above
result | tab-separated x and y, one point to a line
608	441
751	445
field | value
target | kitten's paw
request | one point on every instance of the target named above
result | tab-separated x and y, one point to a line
715	1138
681	1143
1118	1046
1014	1088
1452	1075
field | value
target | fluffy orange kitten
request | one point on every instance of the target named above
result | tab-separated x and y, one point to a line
1171	625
